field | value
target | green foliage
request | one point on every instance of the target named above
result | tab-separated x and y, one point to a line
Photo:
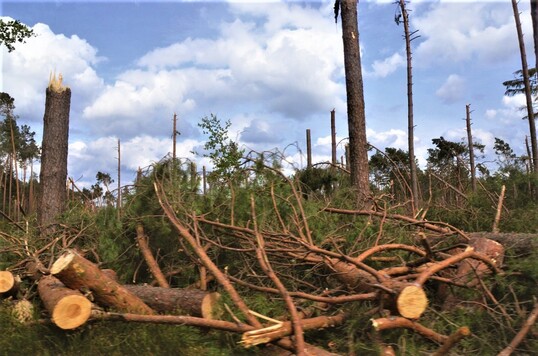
12	32
223	152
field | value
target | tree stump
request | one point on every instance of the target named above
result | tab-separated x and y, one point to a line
68	308
78	273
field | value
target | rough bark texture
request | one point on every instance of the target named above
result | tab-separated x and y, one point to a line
185	301
517	243
68	308
76	272
358	144
53	174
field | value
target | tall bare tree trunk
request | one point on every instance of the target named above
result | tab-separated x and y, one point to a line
470	143
308	149
118	204
53	174
534	16
528	95
333	137
358	144
410	120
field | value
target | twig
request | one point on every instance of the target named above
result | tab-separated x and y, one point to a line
522	333
452	340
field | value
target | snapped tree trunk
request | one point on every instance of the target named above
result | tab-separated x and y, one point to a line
358	144
410	121
53	175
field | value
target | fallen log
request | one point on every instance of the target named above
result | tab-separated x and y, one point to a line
186	301
9	283
67	307
518	243
153	266
76	272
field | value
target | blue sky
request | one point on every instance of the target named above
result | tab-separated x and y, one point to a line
273	68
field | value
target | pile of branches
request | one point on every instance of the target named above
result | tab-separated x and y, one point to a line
317	278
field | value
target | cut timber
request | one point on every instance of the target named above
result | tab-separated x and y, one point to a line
8	282
411	302
77	272
68	308
185	301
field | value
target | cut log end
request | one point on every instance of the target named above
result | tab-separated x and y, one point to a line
412	302
7	281
211	307
62	262
71	312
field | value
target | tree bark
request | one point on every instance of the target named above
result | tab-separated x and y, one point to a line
528	95
358	144
141	239
76	272
410	120
185	301
470	144
68	308
53	174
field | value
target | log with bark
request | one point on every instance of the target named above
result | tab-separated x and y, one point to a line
176	300
68	308
76	272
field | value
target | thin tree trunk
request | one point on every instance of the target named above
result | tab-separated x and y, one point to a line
534	16
470	143
308	149
410	122
174	137
119	181
358	144
333	137
528	95
53	175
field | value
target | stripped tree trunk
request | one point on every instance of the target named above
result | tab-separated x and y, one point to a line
53	175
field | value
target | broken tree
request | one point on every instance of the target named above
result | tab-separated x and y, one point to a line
53	173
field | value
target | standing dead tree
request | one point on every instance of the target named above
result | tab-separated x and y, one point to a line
53	174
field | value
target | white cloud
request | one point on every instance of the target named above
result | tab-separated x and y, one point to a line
287	62
452	90
392	138
25	71
137	152
456	32
387	66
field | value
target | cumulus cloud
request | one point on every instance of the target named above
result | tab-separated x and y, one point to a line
457	32
452	90
287	60
137	152
26	70
262	131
